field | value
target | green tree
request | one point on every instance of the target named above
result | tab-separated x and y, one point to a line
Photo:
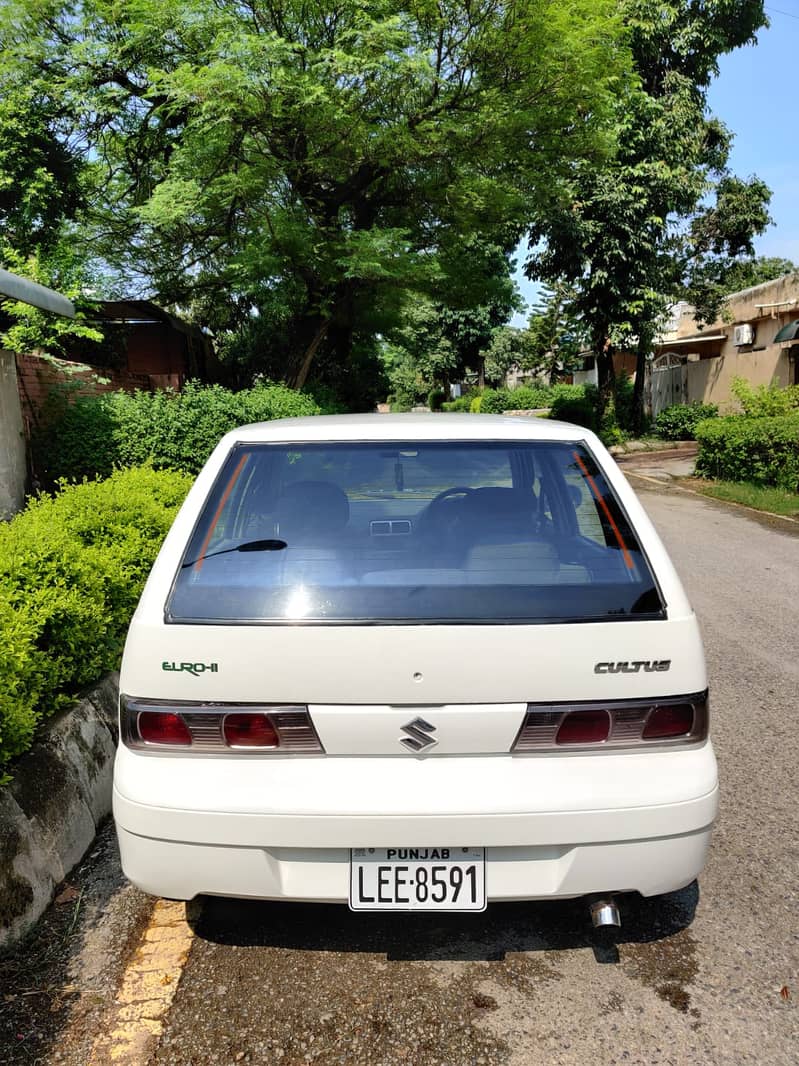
556	334
28	328
623	233
40	173
307	165
507	348
714	277
449	332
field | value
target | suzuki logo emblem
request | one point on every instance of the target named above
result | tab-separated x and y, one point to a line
418	736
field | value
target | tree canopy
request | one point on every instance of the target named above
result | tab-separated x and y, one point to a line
627	233
300	168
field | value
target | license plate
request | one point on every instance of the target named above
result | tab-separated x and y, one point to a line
417	879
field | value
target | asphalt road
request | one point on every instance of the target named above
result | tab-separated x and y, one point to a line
710	975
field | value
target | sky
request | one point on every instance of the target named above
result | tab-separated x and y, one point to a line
755	95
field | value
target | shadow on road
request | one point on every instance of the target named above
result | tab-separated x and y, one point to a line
503	928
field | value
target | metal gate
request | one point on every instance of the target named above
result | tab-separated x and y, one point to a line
669	383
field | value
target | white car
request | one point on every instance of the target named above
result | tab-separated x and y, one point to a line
413	663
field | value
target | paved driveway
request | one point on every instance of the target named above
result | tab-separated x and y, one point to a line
710	975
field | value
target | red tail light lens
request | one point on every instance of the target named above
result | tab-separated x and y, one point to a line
584	727
249	731
217	728
674	721
163	727
612	725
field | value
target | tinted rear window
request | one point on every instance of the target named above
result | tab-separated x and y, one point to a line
412	532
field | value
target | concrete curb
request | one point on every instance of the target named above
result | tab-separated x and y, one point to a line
50	812
716	499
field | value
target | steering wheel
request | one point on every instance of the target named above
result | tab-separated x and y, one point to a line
436	509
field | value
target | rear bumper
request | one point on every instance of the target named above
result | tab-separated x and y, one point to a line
321	875
552	827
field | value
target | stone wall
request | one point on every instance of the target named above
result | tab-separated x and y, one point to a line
49	814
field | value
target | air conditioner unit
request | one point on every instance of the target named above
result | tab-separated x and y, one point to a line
743	335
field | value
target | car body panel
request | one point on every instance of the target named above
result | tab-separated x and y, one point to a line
279	826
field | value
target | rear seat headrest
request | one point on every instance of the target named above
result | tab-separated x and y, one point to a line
499	508
311	507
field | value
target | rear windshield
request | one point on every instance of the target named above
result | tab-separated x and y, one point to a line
412	532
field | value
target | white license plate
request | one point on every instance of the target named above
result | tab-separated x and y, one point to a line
417	879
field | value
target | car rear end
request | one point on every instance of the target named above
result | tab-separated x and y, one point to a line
419	663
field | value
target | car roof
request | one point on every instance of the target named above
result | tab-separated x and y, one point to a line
420	426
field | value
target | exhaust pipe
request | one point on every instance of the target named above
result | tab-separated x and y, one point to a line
604	913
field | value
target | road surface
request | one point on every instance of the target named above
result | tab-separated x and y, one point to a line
710	975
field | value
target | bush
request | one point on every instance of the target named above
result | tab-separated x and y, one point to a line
623	403
476	406
495	401
176	430
764	451
578	410
679	421
765	401
461	403
529	397
72	568
435	399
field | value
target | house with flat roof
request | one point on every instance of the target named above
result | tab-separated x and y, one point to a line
756	338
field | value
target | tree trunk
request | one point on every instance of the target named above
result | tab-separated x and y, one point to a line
642	351
605	373
298	379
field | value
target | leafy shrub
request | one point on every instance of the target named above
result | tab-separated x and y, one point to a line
476	406
435	399
679	421
580	410
176	430
623	402
533	397
761	450
460	403
495	401
72	567
528	397
765	401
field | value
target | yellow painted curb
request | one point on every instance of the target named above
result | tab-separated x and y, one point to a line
148	987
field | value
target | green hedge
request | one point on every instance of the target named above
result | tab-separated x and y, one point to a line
765	401
461	403
578	410
435	399
761	450
177	430
528	397
72	567
679	421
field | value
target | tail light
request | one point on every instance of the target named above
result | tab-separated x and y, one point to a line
677	721
584	727
249	731
162	727
216	728
614	724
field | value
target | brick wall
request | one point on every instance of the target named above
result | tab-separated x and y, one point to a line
37	377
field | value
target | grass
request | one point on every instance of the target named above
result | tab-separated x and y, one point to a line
760	497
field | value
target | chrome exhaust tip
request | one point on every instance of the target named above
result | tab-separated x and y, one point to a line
604	913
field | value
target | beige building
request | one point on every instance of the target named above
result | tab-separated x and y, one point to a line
757	338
